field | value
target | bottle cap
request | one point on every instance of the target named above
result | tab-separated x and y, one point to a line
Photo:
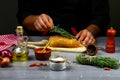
19	29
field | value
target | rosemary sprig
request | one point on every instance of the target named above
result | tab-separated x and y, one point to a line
98	61
62	32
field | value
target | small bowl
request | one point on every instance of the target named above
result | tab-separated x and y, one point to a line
42	55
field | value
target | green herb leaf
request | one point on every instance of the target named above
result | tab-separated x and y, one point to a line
98	61
62	32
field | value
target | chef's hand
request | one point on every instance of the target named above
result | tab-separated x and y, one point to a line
43	23
85	37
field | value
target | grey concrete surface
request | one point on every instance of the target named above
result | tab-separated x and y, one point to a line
22	71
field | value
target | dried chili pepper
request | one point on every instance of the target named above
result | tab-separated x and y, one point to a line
107	68
38	64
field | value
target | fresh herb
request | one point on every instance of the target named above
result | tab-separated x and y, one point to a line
62	32
98	61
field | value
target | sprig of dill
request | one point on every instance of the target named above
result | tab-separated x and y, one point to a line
98	61
62	32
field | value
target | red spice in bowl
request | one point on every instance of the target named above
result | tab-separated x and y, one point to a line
42	55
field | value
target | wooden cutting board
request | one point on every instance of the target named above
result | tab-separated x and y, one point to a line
78	49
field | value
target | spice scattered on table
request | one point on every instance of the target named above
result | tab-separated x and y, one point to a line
35	64
107	68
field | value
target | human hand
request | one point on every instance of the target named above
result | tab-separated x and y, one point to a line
85	37
43	23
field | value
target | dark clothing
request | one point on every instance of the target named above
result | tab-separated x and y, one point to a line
67	13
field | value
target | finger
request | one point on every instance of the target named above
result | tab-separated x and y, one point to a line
51	23
45	19
90	41
42	23
82	36
37	26
78	35
85	41
93	41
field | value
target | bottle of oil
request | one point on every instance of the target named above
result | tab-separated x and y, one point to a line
20	51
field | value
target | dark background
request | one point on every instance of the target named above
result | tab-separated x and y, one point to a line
8	10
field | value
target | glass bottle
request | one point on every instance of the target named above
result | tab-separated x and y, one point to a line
20	51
